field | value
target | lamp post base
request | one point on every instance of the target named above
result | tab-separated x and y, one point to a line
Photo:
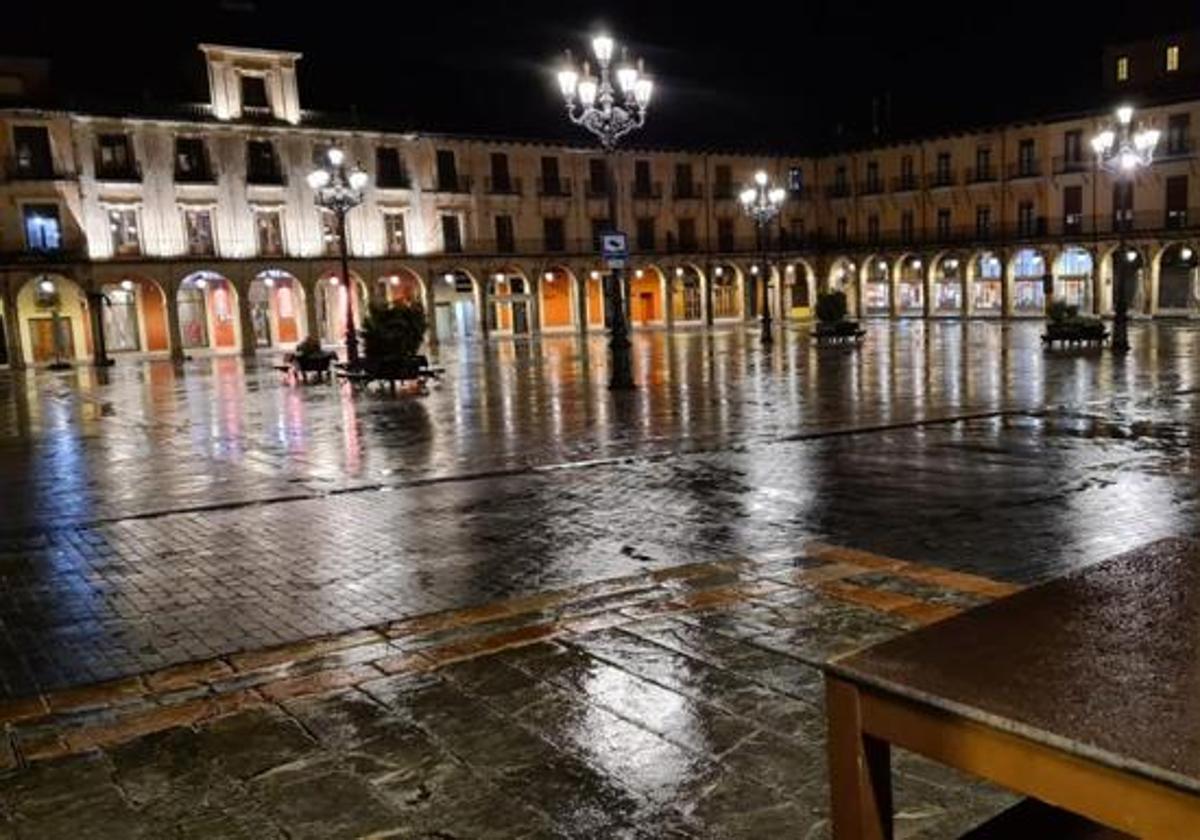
621	375
767	336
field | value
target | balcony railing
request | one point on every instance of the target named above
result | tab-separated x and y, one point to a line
981	174
683	191
904	183
129	172
1062	165
266	177
452	184
554	187
837	191
940	180
195	175
1025	169
393	181
1175	148
502	186
724	192
870	187
597	189
38	170
645	190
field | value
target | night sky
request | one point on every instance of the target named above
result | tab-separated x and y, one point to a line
745	77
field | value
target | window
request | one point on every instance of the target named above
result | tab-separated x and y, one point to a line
506	242
451	234
1073	209
447	171
551	184
123	228
32	146
1026	164
198	227
684	186
1122	68
330	241
723	181
43	231
839	179
795	179
907	180
873	228
687	235
645	233
395	234
1178	131
191	160
943	168
1172	58
725	237
983	221
114	159
1121	201
796	231
907	226
501	182
599	228
554	234
254	92
842	230
642	188
983	164
1025	219
873	176
268	227
1177	201
262	164
1073	146
597	177
390	171
943	223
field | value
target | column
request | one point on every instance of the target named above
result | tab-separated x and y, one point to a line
669	298
171	307
431	309
581	303
12	326
534	305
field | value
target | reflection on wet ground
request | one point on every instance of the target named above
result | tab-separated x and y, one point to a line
161	517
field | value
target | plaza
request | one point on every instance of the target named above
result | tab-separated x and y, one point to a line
523	606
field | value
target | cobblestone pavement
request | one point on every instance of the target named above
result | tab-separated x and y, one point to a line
684	703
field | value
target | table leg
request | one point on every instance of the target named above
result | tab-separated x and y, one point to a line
860	774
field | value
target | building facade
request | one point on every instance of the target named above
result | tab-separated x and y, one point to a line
196	231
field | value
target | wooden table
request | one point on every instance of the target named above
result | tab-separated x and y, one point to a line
1083	693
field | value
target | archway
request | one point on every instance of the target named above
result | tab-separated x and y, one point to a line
646	297
207	306
276	306
1178	287
508	303
455	302
135	316
843	277
1074	278
910	289
798	279
1129	263
53	320
726	292
1029	269
687	295
597	301
402	287
557	299
877	287
331	306
987	285
947	291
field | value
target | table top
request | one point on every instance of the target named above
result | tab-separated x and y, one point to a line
1103	663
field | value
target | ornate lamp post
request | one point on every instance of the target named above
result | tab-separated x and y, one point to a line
762	203
1122	151
339	189
609	112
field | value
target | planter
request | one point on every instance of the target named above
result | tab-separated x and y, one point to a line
1087	332
839	332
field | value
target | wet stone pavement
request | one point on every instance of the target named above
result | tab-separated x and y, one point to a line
183	536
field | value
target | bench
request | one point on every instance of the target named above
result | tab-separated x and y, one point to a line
1033	818
1071	337
854	336
416	370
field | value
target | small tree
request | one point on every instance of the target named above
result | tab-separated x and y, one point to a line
393	333
831	307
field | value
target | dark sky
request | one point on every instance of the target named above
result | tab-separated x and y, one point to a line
744	75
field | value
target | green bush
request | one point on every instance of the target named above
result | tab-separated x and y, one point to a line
831	307
309	347
1062	312
393	333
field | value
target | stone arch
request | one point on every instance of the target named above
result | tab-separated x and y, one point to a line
1027	269
985	284
509	296
53	320
456	299
278	304
687	294
727	292
402	285
331	303
876	286
647	297
799	292
1136	263
207	307
910	272
559	305
134	312
947	284
1176	273
1075	277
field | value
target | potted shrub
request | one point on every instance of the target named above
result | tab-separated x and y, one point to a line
832	324
1068	326
392	335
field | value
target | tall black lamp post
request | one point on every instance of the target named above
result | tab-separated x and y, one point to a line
1122	151
609	111
762	203
339	189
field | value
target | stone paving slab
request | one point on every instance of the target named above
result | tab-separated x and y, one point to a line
689	720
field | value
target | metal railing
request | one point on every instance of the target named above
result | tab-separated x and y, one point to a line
1025	169
940	180
683	191
904	183
452	184
1062	165
837	191
647	190
981	174
128	172
502	186
870	187
274	177
554	187
37	170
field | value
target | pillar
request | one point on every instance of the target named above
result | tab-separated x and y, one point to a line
581	302
171	291
12	326
431	310
669	302
534	289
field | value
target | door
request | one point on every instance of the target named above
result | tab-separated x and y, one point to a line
45	346
520	317
647	307
445	321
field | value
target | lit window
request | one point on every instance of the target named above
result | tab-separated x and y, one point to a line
1172	58
1123	69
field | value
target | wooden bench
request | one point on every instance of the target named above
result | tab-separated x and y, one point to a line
417	370
1079	692
855	337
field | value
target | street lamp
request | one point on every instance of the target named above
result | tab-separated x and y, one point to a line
762	203
609	110
339	188
1122	151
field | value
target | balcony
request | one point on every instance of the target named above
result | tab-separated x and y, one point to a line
34	170
724	192
451	183
1175	148
502	186
393	181
645	190
981	174
597	189
265	176
871	187
837	191
684	191
904	183
940	180
1025	169
554	188
1064	165
126	173
198	174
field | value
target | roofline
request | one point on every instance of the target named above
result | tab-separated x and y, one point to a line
261	52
